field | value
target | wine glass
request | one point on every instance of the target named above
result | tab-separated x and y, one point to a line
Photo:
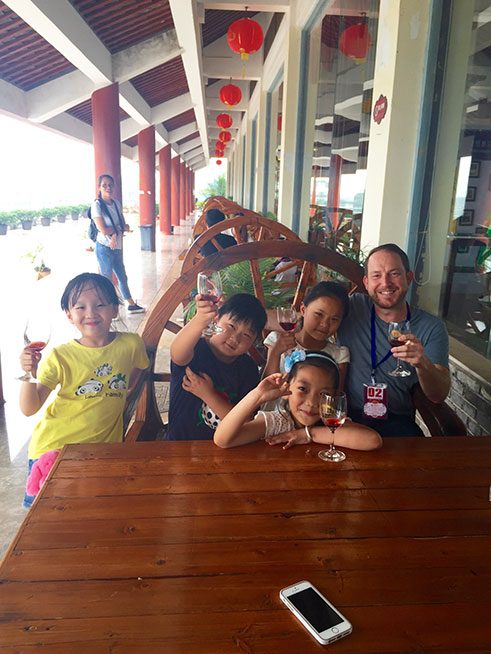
36	336
210	289
287	318
332	409
395	330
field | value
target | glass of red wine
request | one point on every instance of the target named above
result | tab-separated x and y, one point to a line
332	410
395	330
210	289
287	318
36	336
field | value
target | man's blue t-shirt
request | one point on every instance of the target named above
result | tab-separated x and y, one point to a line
189	417
355	332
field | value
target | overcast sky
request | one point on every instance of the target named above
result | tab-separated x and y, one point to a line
40	168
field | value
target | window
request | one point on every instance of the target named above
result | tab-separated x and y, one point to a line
344	104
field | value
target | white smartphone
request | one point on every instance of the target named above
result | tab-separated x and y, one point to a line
315	612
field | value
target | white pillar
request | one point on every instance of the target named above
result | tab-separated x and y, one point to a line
248	163
273	136
291	91
260	151
447	154
392	156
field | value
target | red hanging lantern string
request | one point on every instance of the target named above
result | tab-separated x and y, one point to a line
230	94
355	41
245	36
224	121
225	136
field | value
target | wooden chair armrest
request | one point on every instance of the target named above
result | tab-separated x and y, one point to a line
133	432
440	419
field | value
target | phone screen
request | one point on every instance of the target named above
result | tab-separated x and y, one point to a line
311	605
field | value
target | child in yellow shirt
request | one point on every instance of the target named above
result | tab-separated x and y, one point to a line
93	373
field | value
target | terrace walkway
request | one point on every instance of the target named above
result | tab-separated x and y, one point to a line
64	251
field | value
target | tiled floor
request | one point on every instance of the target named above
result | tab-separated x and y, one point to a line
64	250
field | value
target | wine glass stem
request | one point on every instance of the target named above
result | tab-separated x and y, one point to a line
331	446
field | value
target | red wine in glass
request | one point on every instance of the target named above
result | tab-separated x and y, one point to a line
209	297
394	331
287	318
36	336
210	289
37	346
332	410
287	326
334	423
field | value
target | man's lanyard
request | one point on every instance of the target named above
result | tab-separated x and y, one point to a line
373	343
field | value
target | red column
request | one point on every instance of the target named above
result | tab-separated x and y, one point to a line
182	199
146	160
106	135
193	195
165	189
174	213
190	205
188	208
182	191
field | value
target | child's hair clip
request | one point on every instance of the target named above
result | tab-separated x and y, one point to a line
295	357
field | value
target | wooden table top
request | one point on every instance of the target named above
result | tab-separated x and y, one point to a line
183	547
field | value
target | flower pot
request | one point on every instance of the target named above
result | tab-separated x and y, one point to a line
45	221
3	229
26	224
43	273
60	218
74	215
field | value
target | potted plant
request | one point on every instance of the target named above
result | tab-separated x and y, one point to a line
60	213
26	218
8	219
42	269
37	261
45	216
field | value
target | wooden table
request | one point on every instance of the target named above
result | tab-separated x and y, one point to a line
182	547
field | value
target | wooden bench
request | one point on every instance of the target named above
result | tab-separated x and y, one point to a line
159	325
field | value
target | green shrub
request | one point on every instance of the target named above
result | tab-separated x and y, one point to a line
11	218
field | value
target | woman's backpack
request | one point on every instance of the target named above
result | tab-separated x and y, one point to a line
92	230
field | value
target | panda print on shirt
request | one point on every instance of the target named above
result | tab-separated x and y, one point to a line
115	384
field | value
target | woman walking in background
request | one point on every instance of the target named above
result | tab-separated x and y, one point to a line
107	214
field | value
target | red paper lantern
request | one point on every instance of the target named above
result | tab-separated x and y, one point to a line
230	94
224	121
219	145
219	162
245	36
279	122
225	136
355	42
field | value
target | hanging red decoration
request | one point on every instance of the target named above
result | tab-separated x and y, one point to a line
224	121
245	36
225	136
355	42
219	162
219	145
279	122
230	94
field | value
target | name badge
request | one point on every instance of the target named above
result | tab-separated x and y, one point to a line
375	401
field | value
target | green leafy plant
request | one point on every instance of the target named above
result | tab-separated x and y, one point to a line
217	187
11	218
36	259
237	279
